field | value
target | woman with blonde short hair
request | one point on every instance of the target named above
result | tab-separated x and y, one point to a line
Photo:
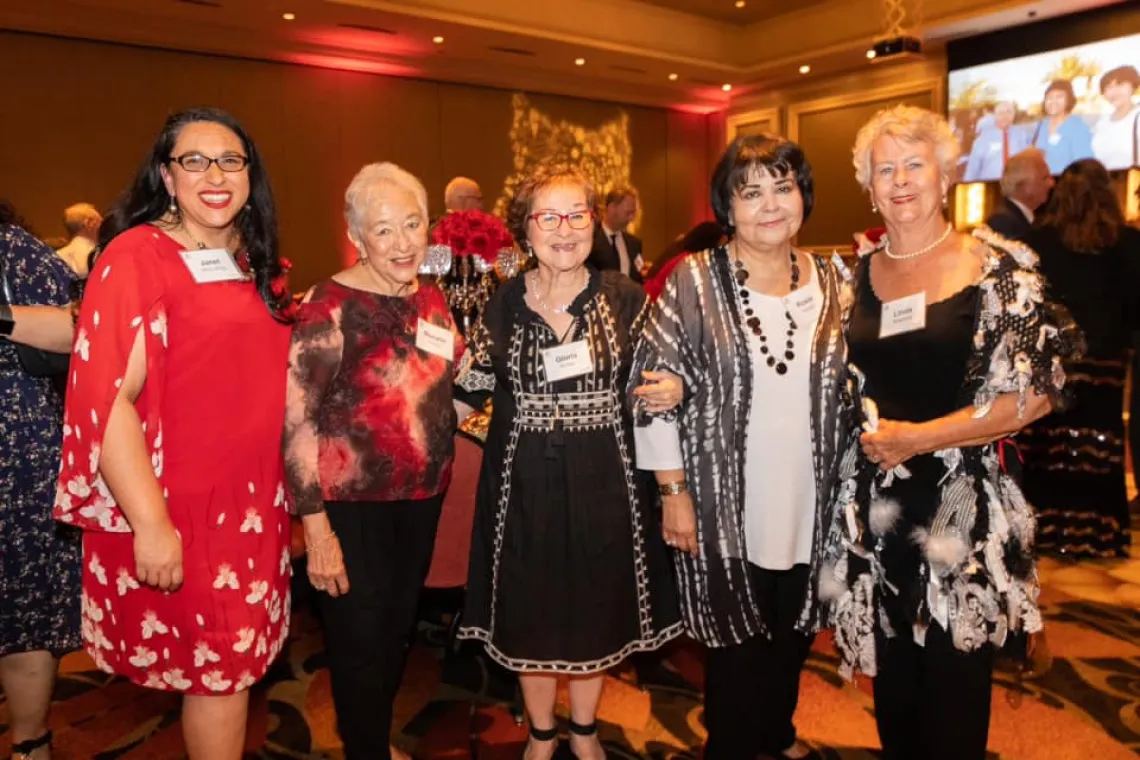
952	348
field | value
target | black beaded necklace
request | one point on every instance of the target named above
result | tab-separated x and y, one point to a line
753	321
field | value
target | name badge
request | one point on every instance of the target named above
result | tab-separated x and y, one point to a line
435	340
802	302
569	360
208	265
995	147
903	315
1055	138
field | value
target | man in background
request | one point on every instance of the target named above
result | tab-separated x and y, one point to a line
463	194
82	223
1025	186
995	145
614	247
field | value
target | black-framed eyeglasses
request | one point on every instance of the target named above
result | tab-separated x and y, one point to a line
548	221
197	163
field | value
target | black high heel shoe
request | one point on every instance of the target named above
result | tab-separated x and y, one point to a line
24	749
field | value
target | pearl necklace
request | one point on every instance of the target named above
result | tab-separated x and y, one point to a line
921	251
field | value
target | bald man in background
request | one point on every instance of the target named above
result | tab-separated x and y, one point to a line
82	222
463	194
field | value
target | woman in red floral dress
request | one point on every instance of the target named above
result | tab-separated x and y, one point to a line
172	429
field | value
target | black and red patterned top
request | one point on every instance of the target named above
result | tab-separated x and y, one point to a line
369	413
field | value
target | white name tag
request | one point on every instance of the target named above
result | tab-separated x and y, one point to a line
208	265
903	315
435	340
569	360
802	302
1055	138
995	147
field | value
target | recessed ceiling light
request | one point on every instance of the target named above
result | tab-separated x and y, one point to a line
726	87
739	3
673	77
805	69
579	61
870	53
288	16
437	40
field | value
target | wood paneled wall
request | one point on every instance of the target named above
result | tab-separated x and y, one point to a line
78	116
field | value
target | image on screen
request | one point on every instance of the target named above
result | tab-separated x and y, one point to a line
1072	103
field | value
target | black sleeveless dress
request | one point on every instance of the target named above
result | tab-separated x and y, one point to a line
912	377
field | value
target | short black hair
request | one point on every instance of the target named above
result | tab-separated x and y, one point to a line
1125	74
775	155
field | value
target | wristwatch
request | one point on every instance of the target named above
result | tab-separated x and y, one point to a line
672	489
7	324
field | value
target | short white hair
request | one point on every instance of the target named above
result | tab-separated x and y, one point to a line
455	187
909	124
1019	168
367	182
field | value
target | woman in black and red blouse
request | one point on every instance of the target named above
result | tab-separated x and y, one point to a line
369	445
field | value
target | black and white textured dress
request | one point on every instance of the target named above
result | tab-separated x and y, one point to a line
568	571
947	539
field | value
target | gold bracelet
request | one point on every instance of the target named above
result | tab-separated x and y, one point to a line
672	489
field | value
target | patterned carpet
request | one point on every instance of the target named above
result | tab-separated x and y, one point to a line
454	704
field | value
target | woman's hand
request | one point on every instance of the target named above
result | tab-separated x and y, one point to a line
891	444
326	562
158	556
679	523
661	392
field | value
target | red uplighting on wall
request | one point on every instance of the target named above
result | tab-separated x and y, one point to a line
697	108
345	63
357	41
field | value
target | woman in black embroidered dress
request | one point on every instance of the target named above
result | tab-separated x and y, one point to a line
952	348
568	573
1074	461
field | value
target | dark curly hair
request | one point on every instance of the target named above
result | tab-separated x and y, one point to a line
520	210
747	153
1083	208
146	202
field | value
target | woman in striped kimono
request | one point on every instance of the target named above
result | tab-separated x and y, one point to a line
747	463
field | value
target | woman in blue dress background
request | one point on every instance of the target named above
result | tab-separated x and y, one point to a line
39	560
1062	134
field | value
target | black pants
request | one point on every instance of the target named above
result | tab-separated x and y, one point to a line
751	689
933	701
387	550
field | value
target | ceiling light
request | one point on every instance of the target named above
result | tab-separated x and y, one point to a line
672	77
871	53
739	3
288	16
437	40
805	69
726	87
579	61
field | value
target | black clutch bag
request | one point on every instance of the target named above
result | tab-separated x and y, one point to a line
35	362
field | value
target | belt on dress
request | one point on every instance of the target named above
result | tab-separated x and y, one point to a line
568	411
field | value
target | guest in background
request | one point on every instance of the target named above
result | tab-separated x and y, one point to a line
463	194
702	237
82	222
614	247
1074	460
1062	134
995	145
568	572
1116	137
369	445
39	559
172	431
951	349
747	466
1025	186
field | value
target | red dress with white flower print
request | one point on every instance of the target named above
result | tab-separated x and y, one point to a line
212	409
